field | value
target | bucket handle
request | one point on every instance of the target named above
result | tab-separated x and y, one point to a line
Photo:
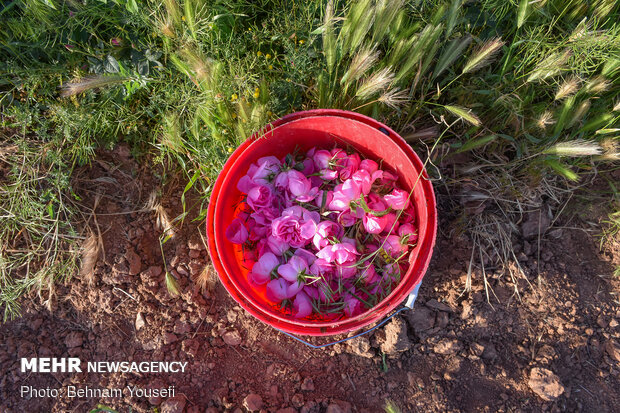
408	306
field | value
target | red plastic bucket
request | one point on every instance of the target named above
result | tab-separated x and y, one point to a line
303	130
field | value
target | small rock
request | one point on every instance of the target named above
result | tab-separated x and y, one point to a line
195	243
297	400
421	319
135	263
74	339
153	272
173	405
613	323
139	321
231	316
448	347
396	339
536	223
466	311
170	338
286	410
253	402
442	320
307	384
477	349
436	305
334	408
191	347
195	267
489	352
339	406
613	349
359	346
310	407
194	254
181	327
232	338
545	384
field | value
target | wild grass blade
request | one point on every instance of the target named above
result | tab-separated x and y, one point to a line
453	51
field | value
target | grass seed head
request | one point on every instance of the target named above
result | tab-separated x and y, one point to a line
581	110
597	85
376	83
550	66
575	148
568	88
483	55
394	98
363	60
87	83
545	119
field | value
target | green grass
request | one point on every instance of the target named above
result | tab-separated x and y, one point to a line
529	90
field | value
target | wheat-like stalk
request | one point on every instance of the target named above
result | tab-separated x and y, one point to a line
377	82
90	254
483	55
550	66
87	83
568	88
394	98
363	60
577	147
597	85
581	110
545	119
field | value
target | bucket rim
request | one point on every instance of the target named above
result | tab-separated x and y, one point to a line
337	326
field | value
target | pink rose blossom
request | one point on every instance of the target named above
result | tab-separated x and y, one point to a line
276	290
237	232
302	306
339	253
374	224
321	159
393	246
314	220
261	271
344	194
369	166
300	187
327	230
293	269
351	164
276	245
293	229
397	199
260	196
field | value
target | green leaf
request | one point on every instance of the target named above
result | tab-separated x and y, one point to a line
453	13
476	143
143	68
464	113
131	6
110	64
597	123
561	169
522	12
